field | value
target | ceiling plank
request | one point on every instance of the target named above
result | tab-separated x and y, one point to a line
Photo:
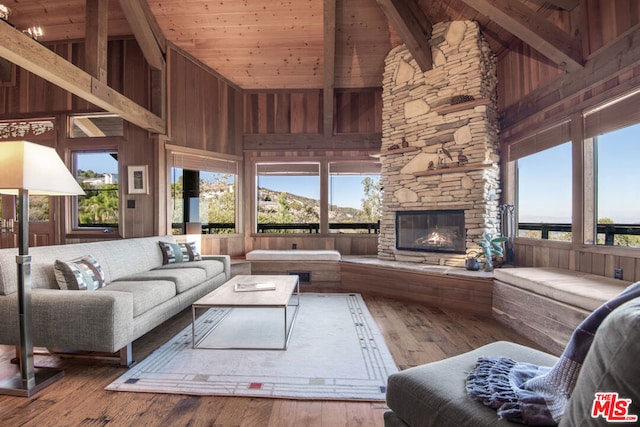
37	59
96	38
413	27
329	64
565	4
533	29
143	32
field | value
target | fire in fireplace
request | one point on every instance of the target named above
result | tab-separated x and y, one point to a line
431	231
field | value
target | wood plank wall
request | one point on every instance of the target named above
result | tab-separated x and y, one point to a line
546	96
205	112
521	69
300	112
33	96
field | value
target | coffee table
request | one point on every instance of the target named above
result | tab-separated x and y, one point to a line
225	296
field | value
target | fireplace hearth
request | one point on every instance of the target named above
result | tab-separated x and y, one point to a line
431	231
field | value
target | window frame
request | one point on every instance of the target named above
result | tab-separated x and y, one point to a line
195	159
583	125
252	185
89	145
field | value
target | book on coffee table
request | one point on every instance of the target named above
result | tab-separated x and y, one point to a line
250	287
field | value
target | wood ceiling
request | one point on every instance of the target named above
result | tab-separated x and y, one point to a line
297	44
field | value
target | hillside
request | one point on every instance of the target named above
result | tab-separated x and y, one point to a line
287	207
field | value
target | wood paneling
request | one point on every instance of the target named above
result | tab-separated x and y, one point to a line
32	94
594	259
232	245
464	293
522	70
546	321
205	111
355	111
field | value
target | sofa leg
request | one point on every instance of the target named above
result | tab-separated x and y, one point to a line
123	357
126	356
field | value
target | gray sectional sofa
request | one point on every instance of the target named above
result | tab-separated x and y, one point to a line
434	394
140	292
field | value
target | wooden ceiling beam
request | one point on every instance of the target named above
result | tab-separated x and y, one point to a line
620	55
27	53
96	34
88	127
533	29
413	27
329	65
143	32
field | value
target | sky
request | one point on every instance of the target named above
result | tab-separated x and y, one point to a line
97	162
545	180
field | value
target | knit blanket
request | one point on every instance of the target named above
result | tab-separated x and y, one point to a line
537	395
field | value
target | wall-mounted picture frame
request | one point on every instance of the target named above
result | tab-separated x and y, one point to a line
138	179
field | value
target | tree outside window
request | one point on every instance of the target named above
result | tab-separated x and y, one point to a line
97	174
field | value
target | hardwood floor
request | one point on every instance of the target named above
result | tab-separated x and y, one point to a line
415	334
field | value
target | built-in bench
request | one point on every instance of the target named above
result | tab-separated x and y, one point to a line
320	268
547	304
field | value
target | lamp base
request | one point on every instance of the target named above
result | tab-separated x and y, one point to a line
14	386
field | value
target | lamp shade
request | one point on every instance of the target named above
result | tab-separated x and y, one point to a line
36	168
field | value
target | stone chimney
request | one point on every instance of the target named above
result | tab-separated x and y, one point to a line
440	139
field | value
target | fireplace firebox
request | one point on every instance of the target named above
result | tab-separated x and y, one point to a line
431	231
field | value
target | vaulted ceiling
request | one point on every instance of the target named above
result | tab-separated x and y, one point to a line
308	44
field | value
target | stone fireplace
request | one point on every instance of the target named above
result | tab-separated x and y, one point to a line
439	149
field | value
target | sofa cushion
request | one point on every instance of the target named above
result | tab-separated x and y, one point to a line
146	295
173	253
611	366
211	267
84	273
575	288
183	278
192	250
434	394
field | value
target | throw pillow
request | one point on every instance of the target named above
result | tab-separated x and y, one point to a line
84	274
172	253
192	250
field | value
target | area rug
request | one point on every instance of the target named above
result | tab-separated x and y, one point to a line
336	351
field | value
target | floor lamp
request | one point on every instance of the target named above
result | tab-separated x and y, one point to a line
30	169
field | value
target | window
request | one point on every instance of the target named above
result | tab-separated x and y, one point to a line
95	126
203	194
545	194
354	197
288	197
617	178
97	174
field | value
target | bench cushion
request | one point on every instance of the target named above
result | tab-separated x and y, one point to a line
293	255
587	291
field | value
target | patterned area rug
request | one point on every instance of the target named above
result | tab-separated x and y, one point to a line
336	351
